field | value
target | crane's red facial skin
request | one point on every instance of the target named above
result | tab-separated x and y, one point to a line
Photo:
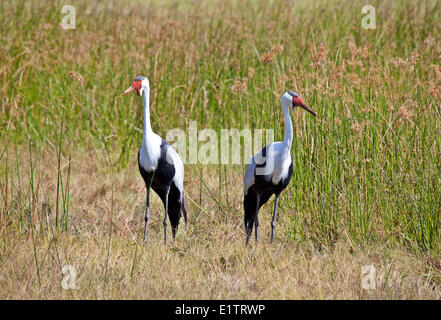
297	102
136	85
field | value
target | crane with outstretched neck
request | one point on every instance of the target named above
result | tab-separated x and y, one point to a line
269	171
160	166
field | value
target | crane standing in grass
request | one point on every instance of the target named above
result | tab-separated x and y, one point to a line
160	166
269	171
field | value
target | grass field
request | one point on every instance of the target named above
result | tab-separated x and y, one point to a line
367	171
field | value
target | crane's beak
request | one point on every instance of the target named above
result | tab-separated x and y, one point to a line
304	106
298	102
131	88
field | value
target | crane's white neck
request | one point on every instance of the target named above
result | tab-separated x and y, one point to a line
146	109
287	140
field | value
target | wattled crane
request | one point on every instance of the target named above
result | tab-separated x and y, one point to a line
160	166
269	171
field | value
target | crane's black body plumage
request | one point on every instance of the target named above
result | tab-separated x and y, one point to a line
161	180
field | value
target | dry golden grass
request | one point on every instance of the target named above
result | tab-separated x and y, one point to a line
208	260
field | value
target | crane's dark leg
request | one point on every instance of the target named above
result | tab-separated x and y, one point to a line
184	209
249	229
147	213
166	214
256	223
250	225
273	222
